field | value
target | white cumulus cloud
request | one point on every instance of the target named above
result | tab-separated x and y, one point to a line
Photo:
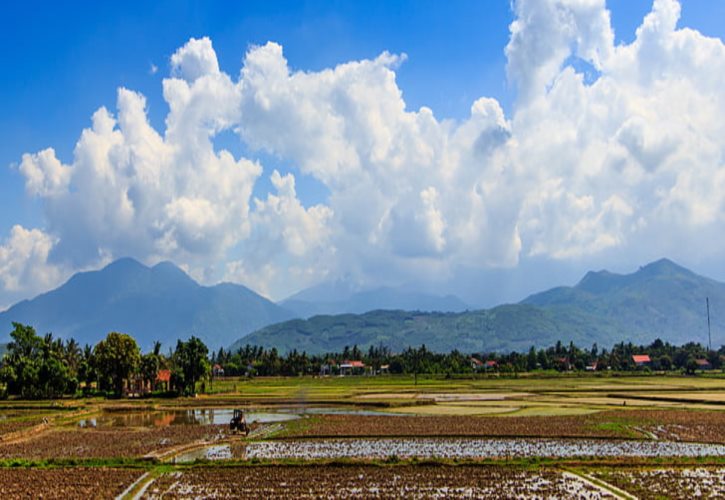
23	261
629	158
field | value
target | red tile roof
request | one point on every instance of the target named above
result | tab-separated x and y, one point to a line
641	358
476	361
163	376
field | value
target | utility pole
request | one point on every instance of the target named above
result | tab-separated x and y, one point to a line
709	337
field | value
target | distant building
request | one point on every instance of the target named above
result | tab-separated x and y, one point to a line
163	380
641	359
352	368
592	367
703	364
476	364
217	370
491	364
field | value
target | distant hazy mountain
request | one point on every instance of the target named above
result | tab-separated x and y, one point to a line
661	300
338	298
158	303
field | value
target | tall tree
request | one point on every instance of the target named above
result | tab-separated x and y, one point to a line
191	363
35	366
116	358
150	368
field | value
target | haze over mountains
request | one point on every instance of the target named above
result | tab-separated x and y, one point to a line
163	303
339	297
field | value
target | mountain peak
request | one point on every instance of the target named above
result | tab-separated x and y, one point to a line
599	281
124	264
662	266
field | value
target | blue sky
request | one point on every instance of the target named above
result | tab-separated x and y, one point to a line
65	62
62	62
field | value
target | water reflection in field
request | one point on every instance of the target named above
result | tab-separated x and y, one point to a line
206	416
470	448
458	448
215	416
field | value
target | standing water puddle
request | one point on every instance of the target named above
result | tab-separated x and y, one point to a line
215	416
215	452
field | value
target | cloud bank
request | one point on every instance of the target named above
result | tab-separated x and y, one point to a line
631	159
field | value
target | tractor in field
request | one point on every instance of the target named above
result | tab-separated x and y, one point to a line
238	423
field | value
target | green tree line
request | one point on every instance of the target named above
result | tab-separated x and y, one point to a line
45	367
36	367
256	360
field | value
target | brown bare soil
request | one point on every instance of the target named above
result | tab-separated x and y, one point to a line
356	425
697	426
681	425
111	443
11	428
65	483
421	481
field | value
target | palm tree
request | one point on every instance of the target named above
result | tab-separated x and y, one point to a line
72	355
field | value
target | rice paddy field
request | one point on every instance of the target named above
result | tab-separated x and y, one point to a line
378	437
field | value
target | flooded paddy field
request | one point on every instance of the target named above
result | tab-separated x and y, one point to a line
367	481
163	418
666	482
472	449
375	438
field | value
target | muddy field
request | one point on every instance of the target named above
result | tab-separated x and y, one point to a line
108	443
678	483
696	426
370	482
65	483
670	425
349	445
9	428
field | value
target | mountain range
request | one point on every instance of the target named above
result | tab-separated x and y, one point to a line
660	300
163	303
151	303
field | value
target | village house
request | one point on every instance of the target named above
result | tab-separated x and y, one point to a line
703	364
163	380
352	368
641	360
